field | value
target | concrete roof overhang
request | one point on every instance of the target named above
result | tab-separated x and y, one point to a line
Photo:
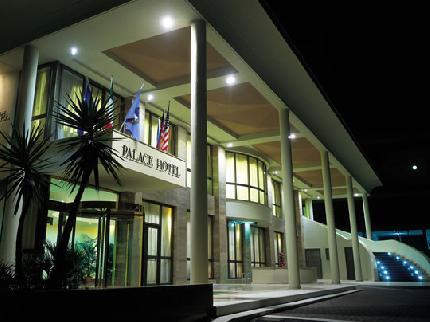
249	41
256	39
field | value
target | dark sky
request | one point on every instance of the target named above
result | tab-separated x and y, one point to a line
369	59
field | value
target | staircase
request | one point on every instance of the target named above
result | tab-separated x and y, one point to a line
391	267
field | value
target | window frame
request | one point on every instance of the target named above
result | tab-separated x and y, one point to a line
277	207
249	186
235	261
261	234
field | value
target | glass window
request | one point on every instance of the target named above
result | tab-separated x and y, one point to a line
235	249
210	247
241	169
154	130
41	93
245	178
229	174
166	232
71	85
277	204
41	98
253	173
278	242
152	212
258	246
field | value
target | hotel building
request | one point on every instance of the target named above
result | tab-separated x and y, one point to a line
253	142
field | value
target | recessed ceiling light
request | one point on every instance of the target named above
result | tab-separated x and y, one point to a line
74	50
230	80
292	136
414	167
305	190
167	22
150	97
229	145
318	197
356	195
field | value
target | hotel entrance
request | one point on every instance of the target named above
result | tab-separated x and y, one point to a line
114	247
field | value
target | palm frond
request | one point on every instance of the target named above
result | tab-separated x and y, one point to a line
93	148
23	156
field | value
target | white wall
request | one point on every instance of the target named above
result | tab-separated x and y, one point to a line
315	235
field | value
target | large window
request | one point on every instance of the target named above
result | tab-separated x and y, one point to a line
157	244
258	246
72	84
235	249
210	247
41	96
278	242
277	203
245	178
209	180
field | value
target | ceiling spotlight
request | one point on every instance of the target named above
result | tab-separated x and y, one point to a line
292	136
230	80
150	97
318	197
229	145
305	190
167	22
74	51
414	167
356	195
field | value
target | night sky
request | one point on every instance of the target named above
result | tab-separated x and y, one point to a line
369	61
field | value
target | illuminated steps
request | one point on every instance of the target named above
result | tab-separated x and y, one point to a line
391	267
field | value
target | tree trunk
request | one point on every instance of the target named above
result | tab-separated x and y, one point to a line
18	243
58	273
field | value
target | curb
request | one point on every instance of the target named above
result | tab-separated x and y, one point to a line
269	306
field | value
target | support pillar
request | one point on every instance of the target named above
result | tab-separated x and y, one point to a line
331	225
220	218
354	234
299	228
288	201
199	203
366	213
309	209
23	113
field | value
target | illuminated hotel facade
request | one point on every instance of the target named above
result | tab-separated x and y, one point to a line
252	143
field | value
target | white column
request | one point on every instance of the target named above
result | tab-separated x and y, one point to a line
288	201
331	225
354	234
366	213
199	203
27	87
309	209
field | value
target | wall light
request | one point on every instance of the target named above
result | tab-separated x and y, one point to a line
292	136
150	97
74	51
229	145
356	195
230	80
167	22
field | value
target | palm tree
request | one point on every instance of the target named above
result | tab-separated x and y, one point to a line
23	159
92	119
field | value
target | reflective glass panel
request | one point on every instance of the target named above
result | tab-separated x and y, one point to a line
241	169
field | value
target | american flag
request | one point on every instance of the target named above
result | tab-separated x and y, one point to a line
164	135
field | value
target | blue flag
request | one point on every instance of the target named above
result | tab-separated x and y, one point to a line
132	124
86	100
